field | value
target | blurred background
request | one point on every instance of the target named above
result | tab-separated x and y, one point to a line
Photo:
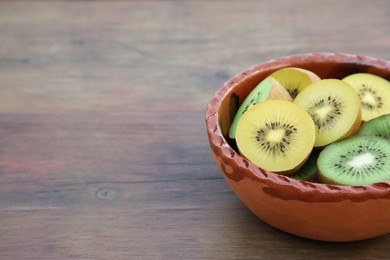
133	49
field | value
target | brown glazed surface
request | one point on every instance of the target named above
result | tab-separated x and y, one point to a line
311	210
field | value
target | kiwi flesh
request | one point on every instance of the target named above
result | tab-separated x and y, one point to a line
379	126
269	88
295	79
358	160
374	94
276	135
308	172
334	107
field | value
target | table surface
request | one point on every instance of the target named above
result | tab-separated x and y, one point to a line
103	145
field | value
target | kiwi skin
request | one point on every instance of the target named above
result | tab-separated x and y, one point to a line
355	127
278	91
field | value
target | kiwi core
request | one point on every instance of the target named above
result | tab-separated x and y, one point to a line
369	98
361	160
322	112
275	135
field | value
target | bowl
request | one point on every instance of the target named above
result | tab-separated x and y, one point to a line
307	209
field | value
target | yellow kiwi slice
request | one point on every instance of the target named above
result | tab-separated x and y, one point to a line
334	107
276	135
374	94
295	79
269	88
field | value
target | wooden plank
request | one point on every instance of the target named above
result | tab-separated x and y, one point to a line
131	147
153	220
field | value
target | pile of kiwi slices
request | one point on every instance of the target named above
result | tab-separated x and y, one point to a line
334	131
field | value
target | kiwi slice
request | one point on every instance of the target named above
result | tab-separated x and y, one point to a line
308	172
358	160
295	79
276	135
379	126
268	88
374	94
334	107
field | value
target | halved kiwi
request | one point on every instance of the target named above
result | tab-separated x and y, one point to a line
379	126
295	79
276	135
269	88
357	160
374	94
334	107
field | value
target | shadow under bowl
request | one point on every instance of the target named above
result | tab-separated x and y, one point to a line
311	210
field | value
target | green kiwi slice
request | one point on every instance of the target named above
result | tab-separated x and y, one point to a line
357	160
308	172
379	126
269	88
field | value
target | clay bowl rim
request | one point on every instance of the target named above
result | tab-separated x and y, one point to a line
290	188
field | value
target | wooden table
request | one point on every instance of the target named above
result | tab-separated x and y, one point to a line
103	146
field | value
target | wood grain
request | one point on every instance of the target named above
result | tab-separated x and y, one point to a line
103	147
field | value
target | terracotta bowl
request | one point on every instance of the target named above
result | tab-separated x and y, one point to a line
307	209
